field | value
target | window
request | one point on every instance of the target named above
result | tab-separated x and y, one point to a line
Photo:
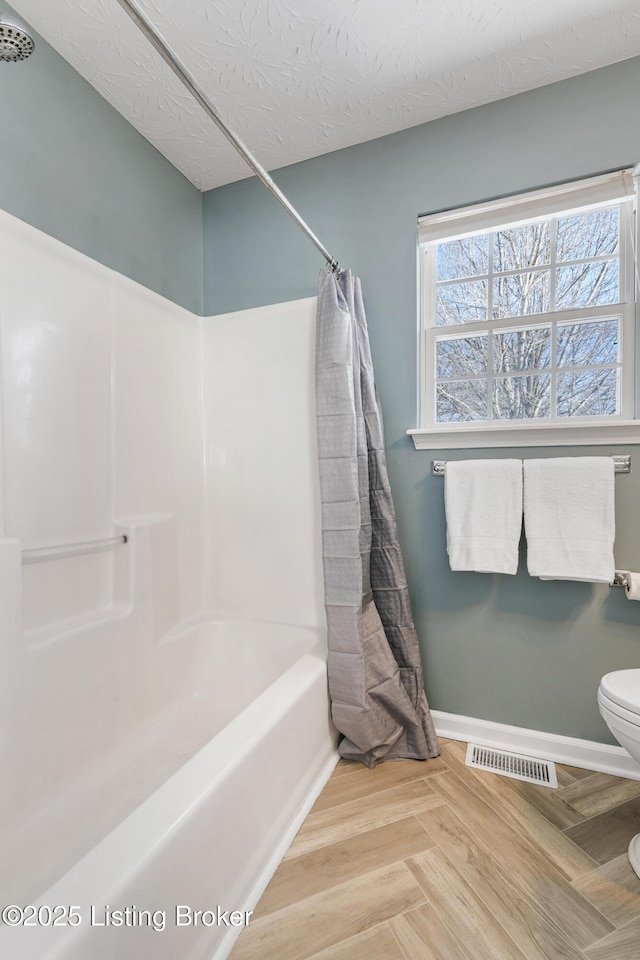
528	310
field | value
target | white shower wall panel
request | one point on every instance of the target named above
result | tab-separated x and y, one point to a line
101	424
101	411
263	503
159	430
56	327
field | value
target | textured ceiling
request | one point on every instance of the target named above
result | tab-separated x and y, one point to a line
296	78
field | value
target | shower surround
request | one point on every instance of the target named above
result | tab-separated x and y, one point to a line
148	693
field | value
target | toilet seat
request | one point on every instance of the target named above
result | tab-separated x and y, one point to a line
622	689
616	710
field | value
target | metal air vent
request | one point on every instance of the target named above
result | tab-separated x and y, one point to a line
515	765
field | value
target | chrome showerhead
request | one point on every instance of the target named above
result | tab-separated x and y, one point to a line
15	42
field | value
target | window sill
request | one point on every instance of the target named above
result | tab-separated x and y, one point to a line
527	435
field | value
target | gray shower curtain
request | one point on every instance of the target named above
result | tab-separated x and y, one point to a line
375	675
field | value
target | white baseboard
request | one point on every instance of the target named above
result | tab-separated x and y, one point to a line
589	754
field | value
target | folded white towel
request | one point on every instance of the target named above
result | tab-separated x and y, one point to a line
569	518
483	505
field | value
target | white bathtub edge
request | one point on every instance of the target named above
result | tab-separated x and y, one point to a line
272	864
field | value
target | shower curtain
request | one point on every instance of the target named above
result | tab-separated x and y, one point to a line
378	702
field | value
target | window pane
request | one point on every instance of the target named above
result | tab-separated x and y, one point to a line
461	356
521	294
468	257
521	398
587	284
587	344
522	349
589	393
520	247
461	400
462	302
588	235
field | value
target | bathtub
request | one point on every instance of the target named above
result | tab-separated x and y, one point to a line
163	849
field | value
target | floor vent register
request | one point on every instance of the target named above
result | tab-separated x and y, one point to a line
514	765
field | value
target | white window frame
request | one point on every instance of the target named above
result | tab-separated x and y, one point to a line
578	196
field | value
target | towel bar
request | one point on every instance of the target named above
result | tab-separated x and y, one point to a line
621	464
620	579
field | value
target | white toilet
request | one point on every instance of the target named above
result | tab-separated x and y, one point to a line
619	703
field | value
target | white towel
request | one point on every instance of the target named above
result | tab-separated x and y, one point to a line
483	505
569	518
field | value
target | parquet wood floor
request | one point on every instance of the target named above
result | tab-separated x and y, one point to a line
435	861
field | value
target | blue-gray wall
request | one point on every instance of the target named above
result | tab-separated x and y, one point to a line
73	167
510	649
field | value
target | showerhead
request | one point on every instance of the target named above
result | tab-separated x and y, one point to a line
15	42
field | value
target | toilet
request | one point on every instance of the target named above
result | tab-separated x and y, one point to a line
619	703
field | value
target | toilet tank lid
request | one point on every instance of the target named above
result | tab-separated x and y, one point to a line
623	687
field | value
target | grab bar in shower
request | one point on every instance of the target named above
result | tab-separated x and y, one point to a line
621	464
40	554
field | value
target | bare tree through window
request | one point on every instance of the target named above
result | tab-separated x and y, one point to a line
548	368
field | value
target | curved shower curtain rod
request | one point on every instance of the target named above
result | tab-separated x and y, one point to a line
158	41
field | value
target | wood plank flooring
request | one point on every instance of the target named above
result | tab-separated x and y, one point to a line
435	861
